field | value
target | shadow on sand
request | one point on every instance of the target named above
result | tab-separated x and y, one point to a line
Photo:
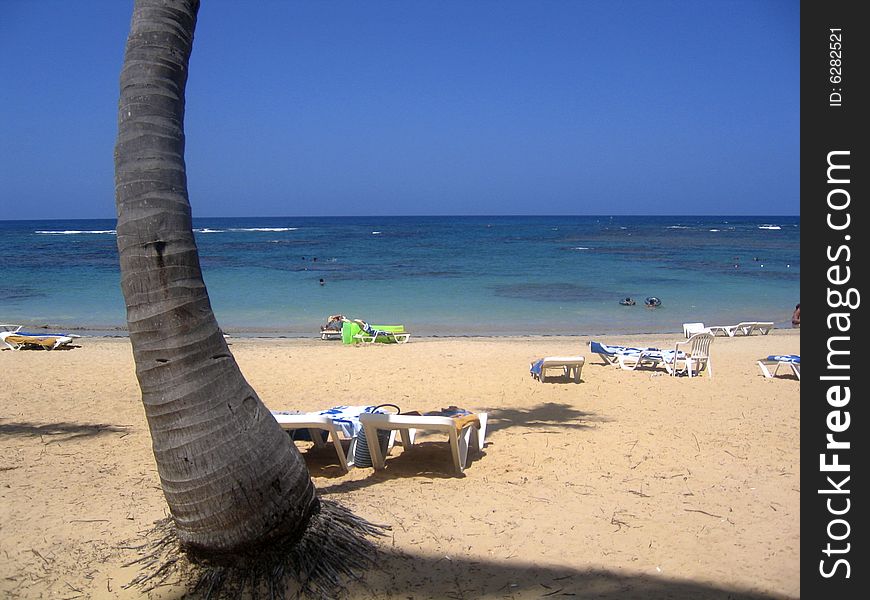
429	578
409	576
548	414
60	431
430	457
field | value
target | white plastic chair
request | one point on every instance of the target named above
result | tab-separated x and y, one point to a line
690	329
694	354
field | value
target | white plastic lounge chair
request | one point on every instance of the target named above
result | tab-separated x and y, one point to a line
569	366
462	432
626	357
742	328
16	340
778	360
690	329
691	357
646	357
610	353
396	336
315	424
762	327
332	329
341	422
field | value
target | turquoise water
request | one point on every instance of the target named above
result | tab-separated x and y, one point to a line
436	275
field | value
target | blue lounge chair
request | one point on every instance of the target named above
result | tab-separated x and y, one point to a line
777	360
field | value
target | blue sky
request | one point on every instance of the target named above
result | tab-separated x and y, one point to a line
422	108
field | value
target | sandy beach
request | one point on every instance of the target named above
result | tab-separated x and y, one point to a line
630	484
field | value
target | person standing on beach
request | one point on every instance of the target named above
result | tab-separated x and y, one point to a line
796	316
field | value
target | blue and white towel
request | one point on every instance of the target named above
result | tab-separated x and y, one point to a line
369	330
667	356
785	358
346	418
608	350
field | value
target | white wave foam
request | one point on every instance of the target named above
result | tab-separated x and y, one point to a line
769	227
76	232
376	233
266	229
678	227
581	248
207	230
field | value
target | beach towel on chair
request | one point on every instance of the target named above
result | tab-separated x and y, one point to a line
462	418
786	358
610	354
450	411
346	418
369	330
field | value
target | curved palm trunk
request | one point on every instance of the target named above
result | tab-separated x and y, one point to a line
230	475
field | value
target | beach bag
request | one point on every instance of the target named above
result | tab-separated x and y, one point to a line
361	455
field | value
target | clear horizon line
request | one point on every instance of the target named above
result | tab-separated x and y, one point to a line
379	216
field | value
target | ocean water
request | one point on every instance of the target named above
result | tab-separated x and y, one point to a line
499	275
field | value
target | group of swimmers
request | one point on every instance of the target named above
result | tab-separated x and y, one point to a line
651	302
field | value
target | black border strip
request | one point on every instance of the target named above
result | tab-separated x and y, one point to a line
833	107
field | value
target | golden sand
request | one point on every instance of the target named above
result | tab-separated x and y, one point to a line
626	485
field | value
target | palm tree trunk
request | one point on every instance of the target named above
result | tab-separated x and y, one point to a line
230	475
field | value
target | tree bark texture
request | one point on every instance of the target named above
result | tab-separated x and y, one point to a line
231	477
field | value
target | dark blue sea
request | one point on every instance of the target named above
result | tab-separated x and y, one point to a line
501	275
